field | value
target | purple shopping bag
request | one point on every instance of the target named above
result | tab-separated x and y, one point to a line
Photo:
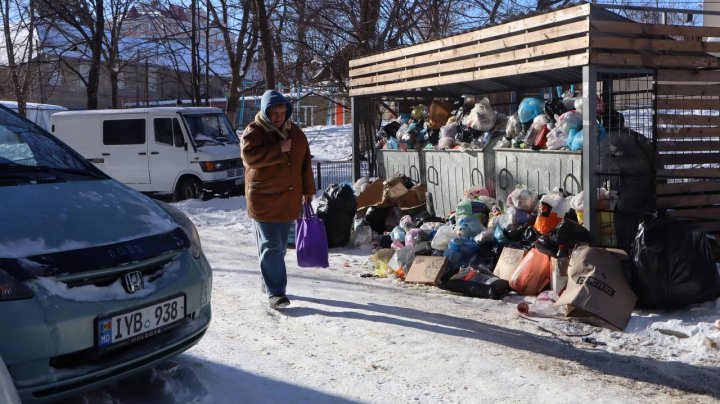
310	240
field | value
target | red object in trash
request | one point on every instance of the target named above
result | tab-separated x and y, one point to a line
533	274
541	138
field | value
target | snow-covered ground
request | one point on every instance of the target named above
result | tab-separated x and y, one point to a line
348	338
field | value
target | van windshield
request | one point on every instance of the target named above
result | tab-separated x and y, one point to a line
208	129
29	155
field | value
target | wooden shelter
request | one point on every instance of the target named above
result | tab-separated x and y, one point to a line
664	78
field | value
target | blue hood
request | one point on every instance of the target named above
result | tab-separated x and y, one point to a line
46	218
272	97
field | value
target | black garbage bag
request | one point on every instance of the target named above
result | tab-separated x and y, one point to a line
547	246
385	241
433	136
423	248
389	130
464	134
485	257
673	265
569	234
375	218
563	238
476	282
337	209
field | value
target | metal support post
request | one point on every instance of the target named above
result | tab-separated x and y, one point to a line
590	150
355	112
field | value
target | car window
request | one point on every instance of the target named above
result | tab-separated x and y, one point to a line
123	131
177	133
24	144
163	131
210	129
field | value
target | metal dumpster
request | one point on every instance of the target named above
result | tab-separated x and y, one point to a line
449	173
391	162
542	171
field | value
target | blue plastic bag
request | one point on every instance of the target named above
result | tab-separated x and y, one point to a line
460	250
575	139
311	244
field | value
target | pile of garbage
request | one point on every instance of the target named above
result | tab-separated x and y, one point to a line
553	124
529	245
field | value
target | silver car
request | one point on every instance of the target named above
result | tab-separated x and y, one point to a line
97	281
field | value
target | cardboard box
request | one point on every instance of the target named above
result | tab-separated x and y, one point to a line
508	262
371	196
426	269
597	287
559	277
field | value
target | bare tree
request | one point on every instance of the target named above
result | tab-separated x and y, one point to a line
182	33
195	51
544	5
82	25
19	46
339	31
261	19
240	37
111	51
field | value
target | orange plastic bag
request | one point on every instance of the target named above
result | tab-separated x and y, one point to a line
533	274
543	224
439	113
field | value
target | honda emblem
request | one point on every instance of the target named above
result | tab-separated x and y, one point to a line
133	281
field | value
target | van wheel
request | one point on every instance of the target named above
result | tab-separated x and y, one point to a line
189	188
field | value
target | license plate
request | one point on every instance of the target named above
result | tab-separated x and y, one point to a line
140	323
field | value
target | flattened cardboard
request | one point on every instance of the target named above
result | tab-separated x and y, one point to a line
426	269
597	286
508	262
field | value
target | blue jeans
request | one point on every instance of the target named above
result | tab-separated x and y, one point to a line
272	239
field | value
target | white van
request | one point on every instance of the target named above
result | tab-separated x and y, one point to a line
37	113
188	152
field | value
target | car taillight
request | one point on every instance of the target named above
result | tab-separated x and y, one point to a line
13	289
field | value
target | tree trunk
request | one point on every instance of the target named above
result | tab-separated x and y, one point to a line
262	22
233	100
301	61
10	50
195	51
114	77
93	84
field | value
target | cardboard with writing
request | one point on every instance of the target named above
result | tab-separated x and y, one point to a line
597	287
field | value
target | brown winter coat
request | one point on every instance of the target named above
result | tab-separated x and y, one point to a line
275	182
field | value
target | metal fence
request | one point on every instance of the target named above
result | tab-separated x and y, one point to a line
328	172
